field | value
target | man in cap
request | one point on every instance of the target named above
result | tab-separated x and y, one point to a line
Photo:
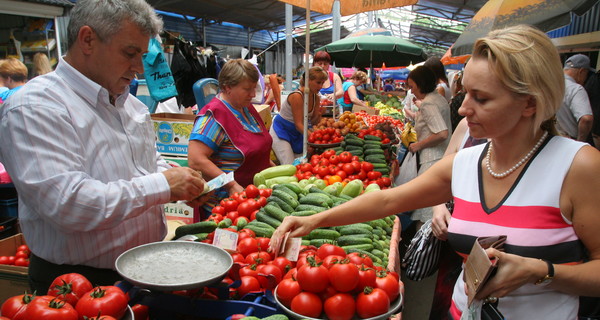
575	117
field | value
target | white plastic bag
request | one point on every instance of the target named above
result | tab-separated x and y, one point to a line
408	169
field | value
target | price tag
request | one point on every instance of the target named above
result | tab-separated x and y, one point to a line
225	239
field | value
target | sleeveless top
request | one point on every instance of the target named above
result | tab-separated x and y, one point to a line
532	221
331	88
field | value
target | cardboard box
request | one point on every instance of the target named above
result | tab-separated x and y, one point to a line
177	161
13	279
265	114
172	132
179	211
368	110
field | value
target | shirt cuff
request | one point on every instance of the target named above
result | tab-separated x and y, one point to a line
156	187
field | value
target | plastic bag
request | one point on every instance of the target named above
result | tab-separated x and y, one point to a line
408	169
423	254
159	78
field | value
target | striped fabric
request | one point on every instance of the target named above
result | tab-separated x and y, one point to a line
87	171
530	217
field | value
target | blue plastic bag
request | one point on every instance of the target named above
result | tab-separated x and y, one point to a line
159	78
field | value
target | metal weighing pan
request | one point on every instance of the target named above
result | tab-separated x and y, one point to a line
174	265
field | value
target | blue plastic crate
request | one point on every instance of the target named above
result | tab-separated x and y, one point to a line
9	208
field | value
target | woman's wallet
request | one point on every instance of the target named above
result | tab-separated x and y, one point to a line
479	268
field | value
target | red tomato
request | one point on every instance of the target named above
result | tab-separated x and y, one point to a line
265	192
107	300
51	308
239	197
229	204
269	276
306	167
218	209
343	276
101	317
11	260
246	208
263	243
21	262
348	168
140	311
387	182
283	264
362	175
291	274
253	215
262	201
345	157
340	306
367	166
341	173
312	276
233	215
252	191
334	159
287	290
258	257
330	249
360	258
247	246
249	271
329	261
328	153
70	287
246	233
23	247
22	254
372	302
307	304
302	258
389	284
13	305
373	175
366	278
249	284
3	259
238	257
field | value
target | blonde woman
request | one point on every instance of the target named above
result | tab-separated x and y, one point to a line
350	96
537	188
41	64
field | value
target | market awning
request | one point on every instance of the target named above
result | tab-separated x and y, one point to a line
436	37
253	14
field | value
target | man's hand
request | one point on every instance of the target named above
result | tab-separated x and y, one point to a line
185	183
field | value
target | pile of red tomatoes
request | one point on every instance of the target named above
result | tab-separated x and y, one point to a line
340	285
325	136
341	168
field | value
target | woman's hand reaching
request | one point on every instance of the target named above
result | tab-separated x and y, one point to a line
295	226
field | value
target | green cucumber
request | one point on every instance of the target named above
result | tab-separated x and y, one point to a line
372	137
321	233
354	239
304	213
317	199
306	207
275	213
365	246
194	228
319	242
264	217
285	197
281	203
283	188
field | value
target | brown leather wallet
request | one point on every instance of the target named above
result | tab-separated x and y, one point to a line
479	268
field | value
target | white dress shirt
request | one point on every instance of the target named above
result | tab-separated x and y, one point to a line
87	172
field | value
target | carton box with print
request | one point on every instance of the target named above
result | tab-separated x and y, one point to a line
172	132
13	279
368	110
264	110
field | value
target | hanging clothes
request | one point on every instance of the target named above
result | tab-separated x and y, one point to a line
186	71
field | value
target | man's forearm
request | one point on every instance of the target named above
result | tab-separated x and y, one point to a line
584	127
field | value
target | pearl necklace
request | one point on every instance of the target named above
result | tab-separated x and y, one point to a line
518	164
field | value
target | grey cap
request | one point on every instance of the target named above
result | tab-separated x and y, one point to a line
579	61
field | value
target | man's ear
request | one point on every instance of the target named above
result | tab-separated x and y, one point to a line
87	39
531	106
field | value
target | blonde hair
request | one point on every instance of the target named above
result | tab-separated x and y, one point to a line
236	71
315	73
14	69
41	64
359	75
527	63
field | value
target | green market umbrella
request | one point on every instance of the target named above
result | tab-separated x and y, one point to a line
546	15
366	51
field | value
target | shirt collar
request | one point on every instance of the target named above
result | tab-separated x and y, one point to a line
85	87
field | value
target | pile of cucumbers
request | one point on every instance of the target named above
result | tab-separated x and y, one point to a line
369	149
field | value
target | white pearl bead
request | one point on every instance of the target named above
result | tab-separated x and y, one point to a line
518	164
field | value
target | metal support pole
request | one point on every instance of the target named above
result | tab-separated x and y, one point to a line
288	47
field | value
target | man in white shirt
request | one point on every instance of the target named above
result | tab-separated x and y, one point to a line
575	118
81	151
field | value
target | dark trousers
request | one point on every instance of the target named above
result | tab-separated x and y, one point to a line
42	273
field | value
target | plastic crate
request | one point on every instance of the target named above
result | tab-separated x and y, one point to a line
8	227
9	208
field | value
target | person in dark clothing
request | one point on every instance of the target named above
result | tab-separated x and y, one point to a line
592	87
